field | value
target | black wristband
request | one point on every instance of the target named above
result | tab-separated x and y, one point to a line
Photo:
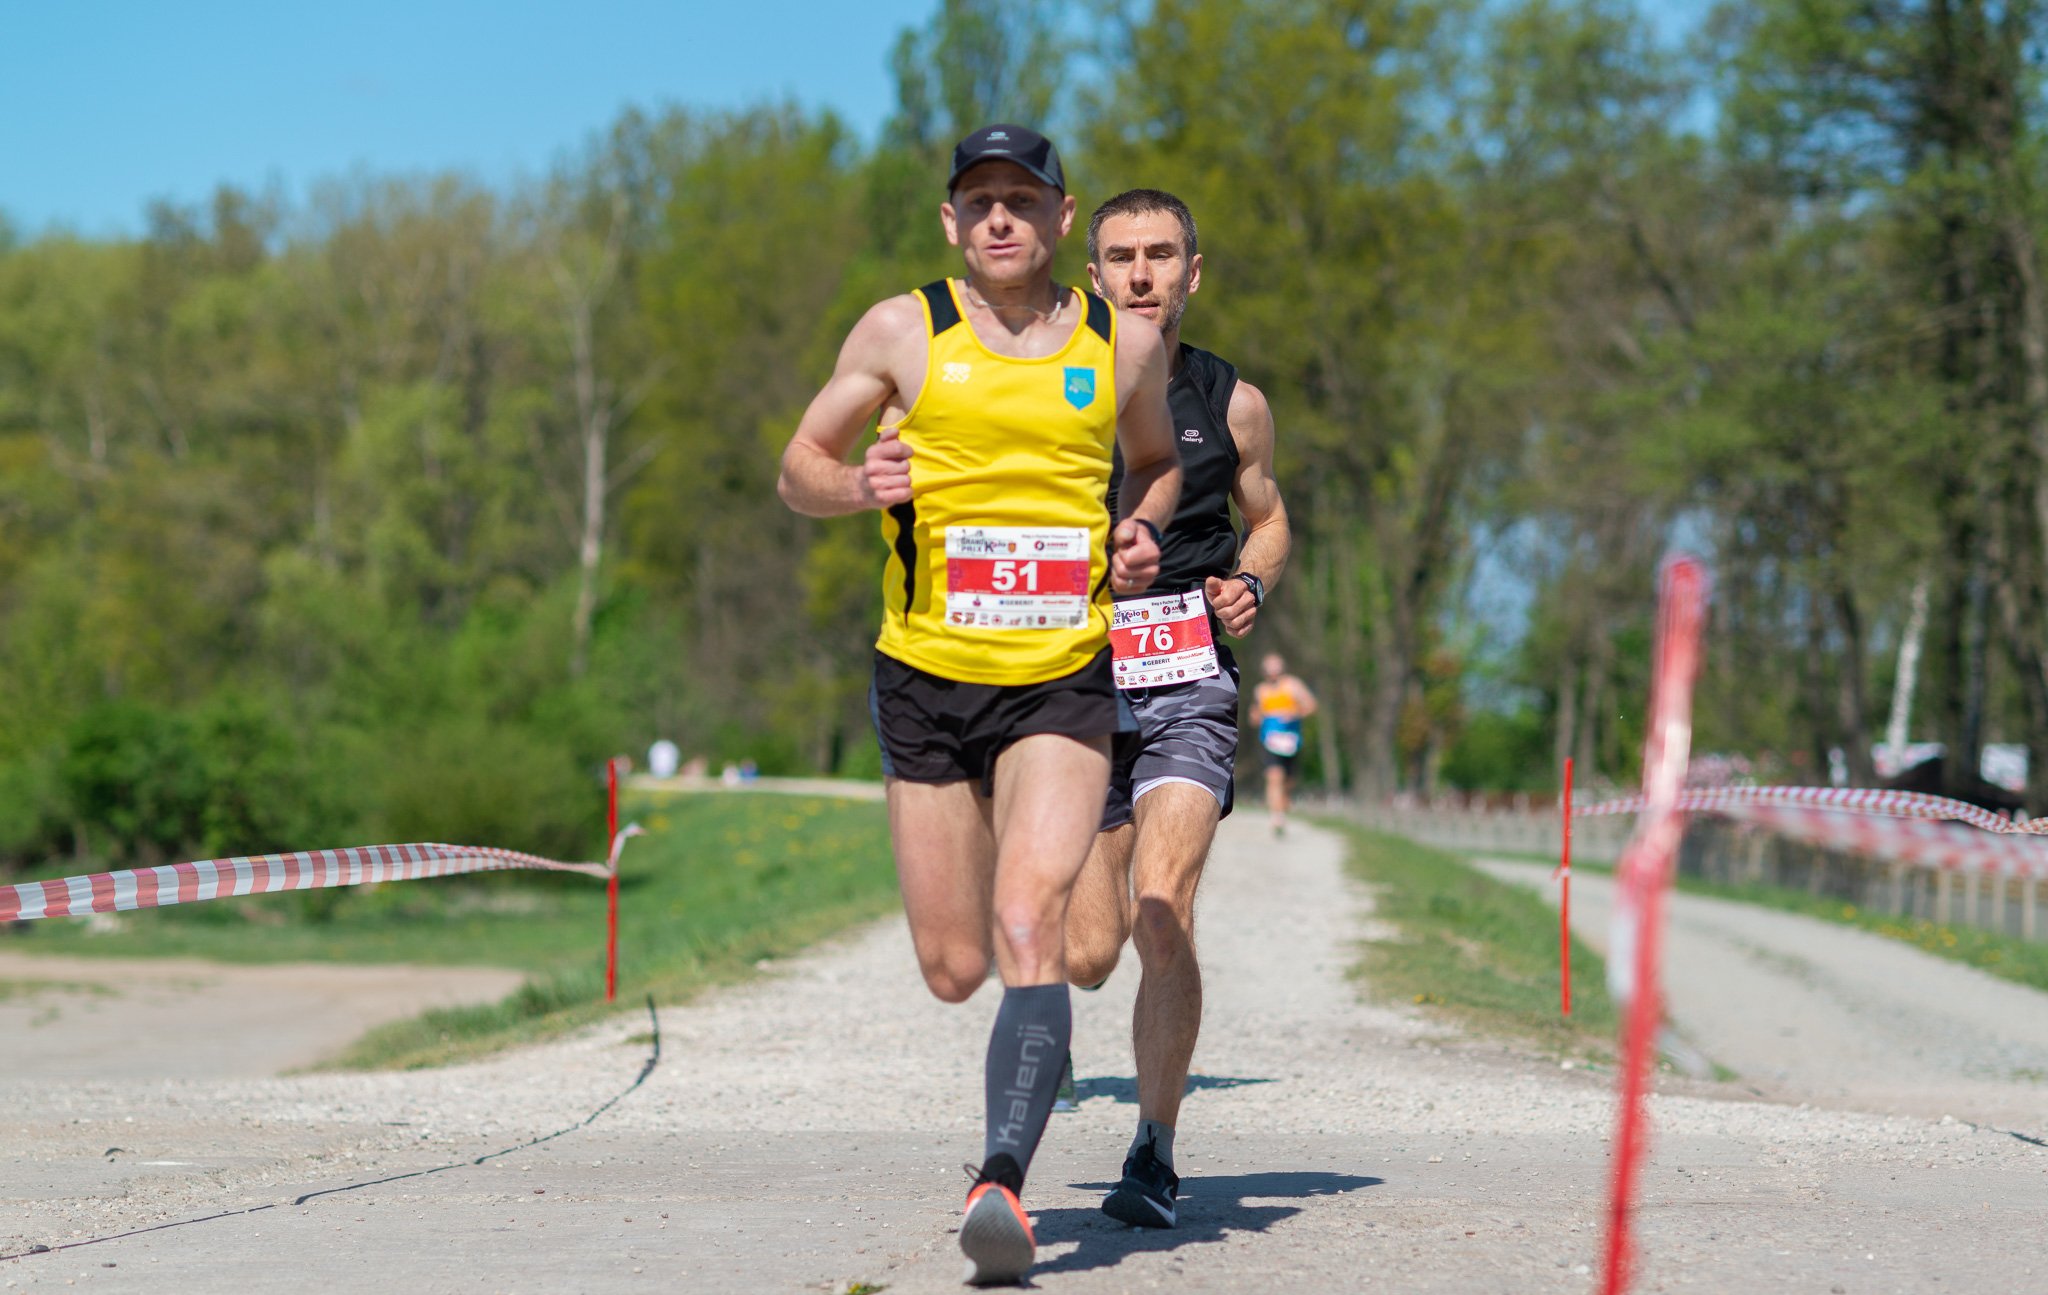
1157	538
1253	583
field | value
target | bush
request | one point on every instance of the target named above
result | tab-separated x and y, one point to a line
131	778
31	810
1497	752
265	791
470	781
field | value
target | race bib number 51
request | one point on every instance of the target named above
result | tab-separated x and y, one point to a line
1162	641
1017	577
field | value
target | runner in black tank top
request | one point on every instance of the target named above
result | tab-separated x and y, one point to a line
1173	781
1201	542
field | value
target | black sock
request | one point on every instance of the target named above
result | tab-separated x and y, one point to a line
1026	1052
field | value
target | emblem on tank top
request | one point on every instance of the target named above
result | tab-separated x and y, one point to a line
1080	387
954	371
1191	436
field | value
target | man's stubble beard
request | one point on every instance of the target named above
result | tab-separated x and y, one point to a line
1169	320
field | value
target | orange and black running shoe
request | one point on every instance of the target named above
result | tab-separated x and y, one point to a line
995	1235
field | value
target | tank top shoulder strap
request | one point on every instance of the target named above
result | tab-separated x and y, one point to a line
940	312
1212	375
1100	320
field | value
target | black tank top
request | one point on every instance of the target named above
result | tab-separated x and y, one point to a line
1200	542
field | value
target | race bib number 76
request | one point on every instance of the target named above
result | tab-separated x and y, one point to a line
1161	641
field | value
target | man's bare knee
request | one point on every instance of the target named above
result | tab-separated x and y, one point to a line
1025	929
1161	932
954	975
1091	957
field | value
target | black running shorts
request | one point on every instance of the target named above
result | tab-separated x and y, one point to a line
939	730
1274	760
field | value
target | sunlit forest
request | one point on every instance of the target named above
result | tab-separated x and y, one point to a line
389	512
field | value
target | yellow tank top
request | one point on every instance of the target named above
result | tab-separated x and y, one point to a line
998	568
1277	699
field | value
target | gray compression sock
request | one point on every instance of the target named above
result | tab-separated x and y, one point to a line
1026	1052
1161	1138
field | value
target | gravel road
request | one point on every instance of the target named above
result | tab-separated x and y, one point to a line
1807	1011
806	1130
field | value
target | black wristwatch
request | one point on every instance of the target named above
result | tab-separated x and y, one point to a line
1253	583
1157	538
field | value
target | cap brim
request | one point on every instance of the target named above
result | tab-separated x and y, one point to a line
953	180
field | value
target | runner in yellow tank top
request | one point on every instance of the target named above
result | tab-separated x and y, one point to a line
999	561
998	396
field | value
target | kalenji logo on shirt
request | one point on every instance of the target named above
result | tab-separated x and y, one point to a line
956	372
1191	436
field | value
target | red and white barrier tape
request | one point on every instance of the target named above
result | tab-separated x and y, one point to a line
204	879
1898	826
1901	804
1916	841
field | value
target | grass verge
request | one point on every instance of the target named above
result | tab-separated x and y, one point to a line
1481	952
12	987
720	882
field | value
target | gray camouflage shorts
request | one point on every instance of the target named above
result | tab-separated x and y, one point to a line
1186	733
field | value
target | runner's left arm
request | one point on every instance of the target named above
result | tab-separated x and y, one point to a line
1267	540
1144	429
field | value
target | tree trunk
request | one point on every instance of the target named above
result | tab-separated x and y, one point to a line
1380	771
596	411
1898	729
1854	705
590	544
1588	761
1567	719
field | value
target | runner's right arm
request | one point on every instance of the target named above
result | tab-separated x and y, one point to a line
1267	538
816	479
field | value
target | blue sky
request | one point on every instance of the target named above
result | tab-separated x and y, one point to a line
107	104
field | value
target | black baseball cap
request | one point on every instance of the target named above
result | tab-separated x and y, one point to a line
1003	142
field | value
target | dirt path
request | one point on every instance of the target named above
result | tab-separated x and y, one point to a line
1807	1011
807	1130
108	1018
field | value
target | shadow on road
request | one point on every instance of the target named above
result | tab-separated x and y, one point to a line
1211	1208
1124	1088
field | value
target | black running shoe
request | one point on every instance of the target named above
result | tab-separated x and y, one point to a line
1145	1198
995	1234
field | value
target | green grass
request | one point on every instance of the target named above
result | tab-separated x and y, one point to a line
30	986
1481	952
720	882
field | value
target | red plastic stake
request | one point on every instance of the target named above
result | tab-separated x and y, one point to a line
611	823
1640	882
1564	908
